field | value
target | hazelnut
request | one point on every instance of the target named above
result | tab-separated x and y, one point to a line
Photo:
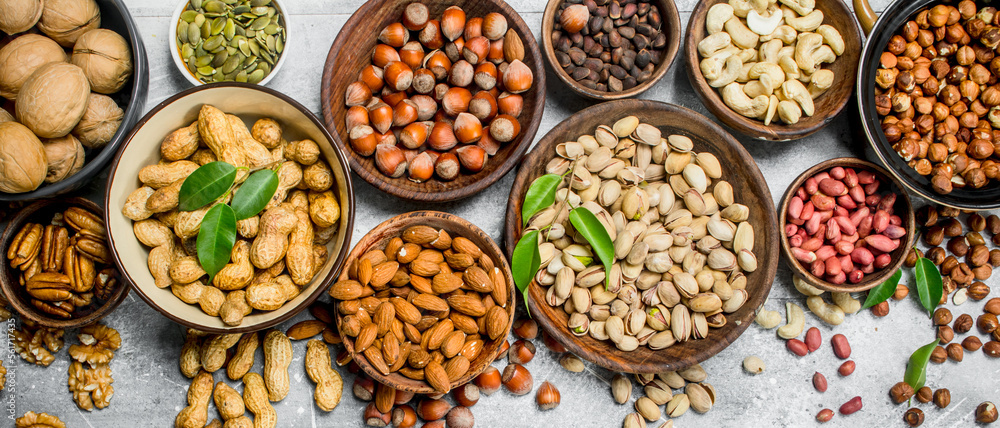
936	255
432	410
952	227
972	343
992	349
987	323
983	272
911	258
958	246
880	310
488	381
992	306
986	413
942	316
466	395
955	352
517	379
934	236
460	417
547	396
521	352
914	417
901	392
925	394
961	274
993	224
942	397
945	334
975	238
963	324
978	291
995	257
901	292
939	355
949	264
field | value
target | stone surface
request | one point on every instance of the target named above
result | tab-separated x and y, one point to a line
149	389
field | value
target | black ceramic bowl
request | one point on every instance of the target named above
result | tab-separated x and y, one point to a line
132	98
888	24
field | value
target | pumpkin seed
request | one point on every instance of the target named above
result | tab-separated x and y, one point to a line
204	60
193	33
256	77
265	67
189	15
208	71
230	39
196	4
241	76
215	6
218	24
259	3
254	47
182	33
220	59
260	23
199	19
270	44
186	50
229	31
231	64
279	45
213	42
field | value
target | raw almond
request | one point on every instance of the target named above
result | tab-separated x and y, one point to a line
477	279
420	234
365	338
496	322
424	268
331	337
430	255
464	245
404	353
320	312
374	357
364	271
443	240
472	349
408	253
464	323
468	305
421	284
412	373
392	248
306	329
452	344
346	290
499	291
390	349
437	377
444	283
430	302
382	274
459	261
383	317
405	311
457	367
437	334
374	256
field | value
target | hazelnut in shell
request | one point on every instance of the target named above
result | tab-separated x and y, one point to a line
53	99
105	58
100	122
22	159
17	16
66	20
21	57
65	157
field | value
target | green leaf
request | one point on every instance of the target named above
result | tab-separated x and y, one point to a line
216	239
206	184
540	195
883	291
525	262
254	194
594	232
929	284
916	368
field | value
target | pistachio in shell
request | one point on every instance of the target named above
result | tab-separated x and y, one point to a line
66	20
22	159
65	157
5	116
53	99
21	57
100	122
105	58
17	16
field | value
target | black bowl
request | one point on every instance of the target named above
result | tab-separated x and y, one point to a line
888	24
131	98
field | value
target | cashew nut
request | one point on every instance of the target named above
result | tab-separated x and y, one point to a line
768	319
756	88
804	23
740	7
810	52
729	73
712	44
740	34
770	71
715	19
830	314
821	81
794	90
772	108
804	287
789	66
848	304
785	33
736	99
764	22
832	38
744	76
789	112
796	321
769	51
748	55
711	67
801	7
759	6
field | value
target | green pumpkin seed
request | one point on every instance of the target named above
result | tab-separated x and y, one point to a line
230	29
196	4
218	24
256	77
182	32
206	30
241	77
267	57
240	31
186	50
205	60
192	63
259	3
231	64
230	2
193	33
249	62
244	47
220	59
265	67
241	9
215	6
279	45
251	33
254	47
199	20
208	71
230	39
214	42
260	23
259	11
270	44
199	51
271	12
271	29
189	16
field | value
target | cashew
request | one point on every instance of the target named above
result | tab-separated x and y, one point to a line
772	108
711	68
805	23
764	22
810	52
804	287
789	112
744	76
848	304
796	321
770	73
768	319
740	34
716	18
759	6
740	7
801	7
830	314
794	90
729	73
822	80
712	44
832	38
748	55
770	51
785	33
736	99
756	88
789	66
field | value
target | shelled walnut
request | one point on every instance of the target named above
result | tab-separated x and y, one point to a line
90	374
36	344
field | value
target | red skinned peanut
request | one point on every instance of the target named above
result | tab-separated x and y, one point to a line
841	348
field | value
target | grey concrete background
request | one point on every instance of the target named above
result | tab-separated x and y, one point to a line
149	389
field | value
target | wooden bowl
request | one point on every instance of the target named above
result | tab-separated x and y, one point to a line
828	105
379	237
351	52
671	22
903	208
42	212
742	174
249	102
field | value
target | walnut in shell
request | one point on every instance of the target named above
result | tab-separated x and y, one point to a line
105	58
65	157
19	15
22	159
21	57
4	116
66	20
99	122
53	99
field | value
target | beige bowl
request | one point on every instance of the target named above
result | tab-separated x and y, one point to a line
142	148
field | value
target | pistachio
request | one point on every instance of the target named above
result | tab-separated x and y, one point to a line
667	294
659	262
635	203
736	213
722	229
710	164
625	126
736	302
722	259
680	143
678	405
605	136
680	323
661	340
609	192
705	302
598	160
578	324
695	203
699	325
563	285
570	150
744	238
695	177
699	398
747	260
723	193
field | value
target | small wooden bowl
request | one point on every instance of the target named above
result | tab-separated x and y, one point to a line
828	105
41	212
351	52
903	208
741	172
671	22
378	238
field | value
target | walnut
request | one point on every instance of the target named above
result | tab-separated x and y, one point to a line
17	16
37	344
5	116
105	58
99	123
91	387
53	99
97	345
22	159
3	376
65	157
24	55
66	20
38	420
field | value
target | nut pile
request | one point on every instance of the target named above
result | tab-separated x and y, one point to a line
37	344
89	372
65	265
841	227
934	92
607	45
440	95
425	306
276	253
681	242
658	390
760	56
236	41
966	259
63	102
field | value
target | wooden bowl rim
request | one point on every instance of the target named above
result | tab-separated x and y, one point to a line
869	281
769	255
670	17
9	283
374	237
754	128
346	209
387	184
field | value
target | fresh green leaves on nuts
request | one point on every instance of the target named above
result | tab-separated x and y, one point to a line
883	291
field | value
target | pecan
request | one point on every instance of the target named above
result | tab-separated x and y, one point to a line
25	246
49	286
105	284
84	221
93	248
54	243
62	309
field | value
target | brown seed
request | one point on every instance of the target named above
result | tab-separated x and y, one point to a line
942	397
819	382
986	413
880	310
945	334
942	316
901	292
939	355
914	417
432	410
521	352
925	394
987	323
547	396
955	352
489	380
466	395
963	324
972	343
517	379
900	392
992	349
992	306
526	328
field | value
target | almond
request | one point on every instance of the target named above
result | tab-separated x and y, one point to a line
306	329
331	337
392	248
437	334
383	317
365	338
465	246
382	273
374	256
408	253
478	280
430	302
390	349
457	367
425	268
499	291
374	357
420	234
464	323
411	373
421	284
496	322
346	290
446	283
459	261
452	344
365	271
405	311
468	305
404	353
437	377
472	349
443	240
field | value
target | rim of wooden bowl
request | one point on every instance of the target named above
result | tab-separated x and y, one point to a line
682	355
843	88
14	291
346	47
898	256
671	19
456	226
